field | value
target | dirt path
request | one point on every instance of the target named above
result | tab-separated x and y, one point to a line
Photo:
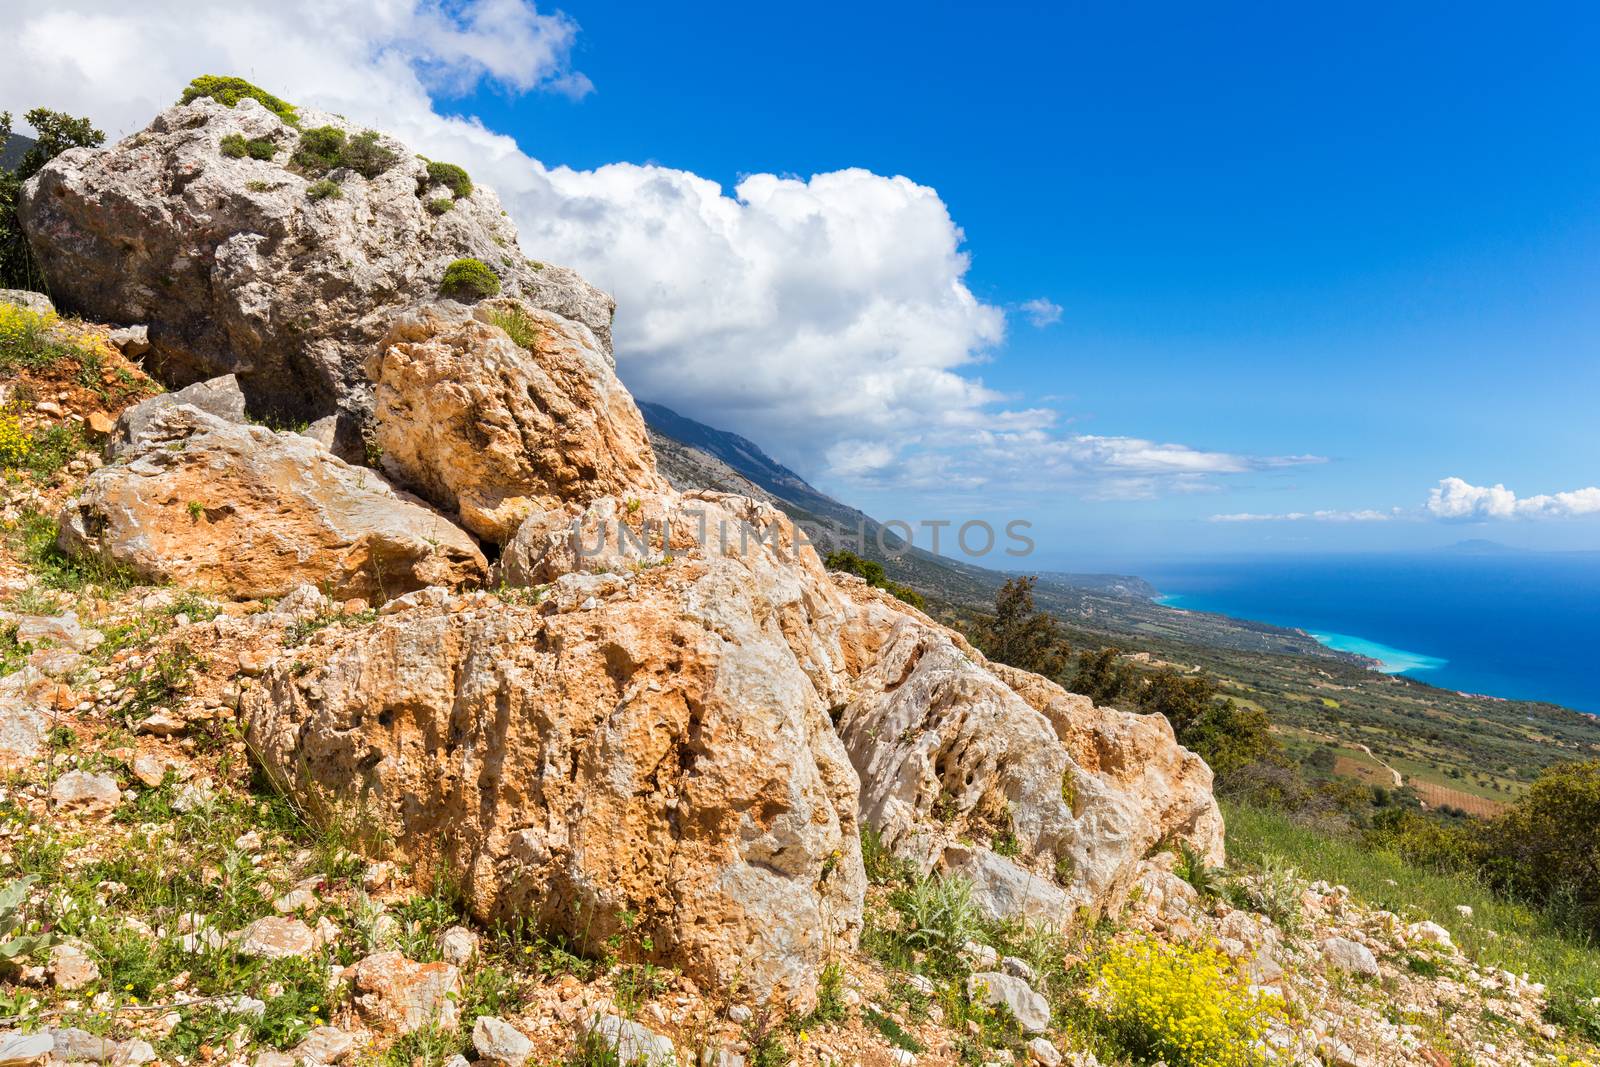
1399	781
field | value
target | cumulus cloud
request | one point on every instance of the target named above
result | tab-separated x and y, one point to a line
1364	515
1041	312
1457	500
827	318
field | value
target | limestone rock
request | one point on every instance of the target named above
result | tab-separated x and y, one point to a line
219	396
458	945
25	702
663	754
499	1042
93	794
26	298
325	1045
24	1050
132	341
1343	954
405	994
63	630
492	431
235	270
995	989
201	502
633	1045
276	938
71	968
1004	890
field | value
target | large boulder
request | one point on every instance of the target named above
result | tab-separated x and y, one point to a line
640	756
199	501
492	430
236	270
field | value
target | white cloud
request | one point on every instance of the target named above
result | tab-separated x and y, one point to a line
1457	500
828	318
1041	312
1363	515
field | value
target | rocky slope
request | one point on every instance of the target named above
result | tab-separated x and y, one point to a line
654	745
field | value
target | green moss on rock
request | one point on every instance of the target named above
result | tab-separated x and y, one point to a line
451	176
229	91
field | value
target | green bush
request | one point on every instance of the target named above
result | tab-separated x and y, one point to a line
518	325
229	91
469	279
875	576
236	147
452	176
364	155
440	205
324	189
321	149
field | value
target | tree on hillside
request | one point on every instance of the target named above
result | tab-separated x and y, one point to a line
1102	676
1019	635
1546	846
56	132
875	575
1227	736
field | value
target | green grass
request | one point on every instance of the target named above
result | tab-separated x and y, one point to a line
1499	933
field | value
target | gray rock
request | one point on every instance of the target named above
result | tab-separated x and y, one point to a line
458	945
71	968
133	1052
235	269
1042	1052
132	341
71	1044
1005	891
1342	954
325	1045
28	299
271	1057
276	938
82	791
24	716
632	1044
1018	968
24	1050
219	396
63	630
994	989
499	1042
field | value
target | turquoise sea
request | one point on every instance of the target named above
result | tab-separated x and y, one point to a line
1507	624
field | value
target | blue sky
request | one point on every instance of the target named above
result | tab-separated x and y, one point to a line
1369	233
1307	259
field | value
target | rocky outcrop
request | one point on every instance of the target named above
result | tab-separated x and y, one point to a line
219	396
236	270
653	751
493	431
202	502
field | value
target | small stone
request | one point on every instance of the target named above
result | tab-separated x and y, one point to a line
274	1058
48	407
499	1042
903	1057
94	794
405	994
1042	1052
633	1045
981	954
993	988
275	938
1430	933
162	723
296	899
1342	954
149	770
458	945
71	968
24	1050
1018	968
133	1052
1464	910
922	984
100	423
739	1014
325	1045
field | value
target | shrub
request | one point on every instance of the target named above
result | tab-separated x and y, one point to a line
452	176
1186	1005
875	576
364	155
229	91
440	205
321	149
469	279
322	190
236	147
15	443
518	325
